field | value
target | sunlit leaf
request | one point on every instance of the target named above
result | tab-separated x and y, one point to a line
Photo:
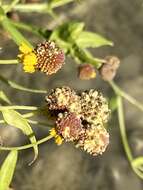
7	170
90	39
15	119
4	97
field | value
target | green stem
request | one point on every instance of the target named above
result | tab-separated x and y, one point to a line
18	107
20	87
32	122
35	30
28	145
11	6
122	129
12	61
36	7
120	92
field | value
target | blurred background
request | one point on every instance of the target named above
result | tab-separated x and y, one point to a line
64	167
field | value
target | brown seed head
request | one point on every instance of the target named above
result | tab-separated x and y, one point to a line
50	58
69	126
94	107
64	99
108	70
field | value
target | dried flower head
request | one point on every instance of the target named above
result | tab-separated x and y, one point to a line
86	72
63	99
109	68
46	57
80	119
69	126
94	107
94	141
50	57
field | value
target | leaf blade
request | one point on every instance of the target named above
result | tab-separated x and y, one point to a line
15	119
7	170
90	39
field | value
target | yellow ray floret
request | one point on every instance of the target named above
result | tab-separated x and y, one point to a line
27	57
58	138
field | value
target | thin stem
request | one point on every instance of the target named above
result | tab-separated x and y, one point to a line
12	5
120	92
12	61
30	114
36	7
122	129
27	27
18	107
20	87
28	145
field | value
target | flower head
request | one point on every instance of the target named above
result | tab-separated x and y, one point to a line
69	126
94	140
86	72
80	119
50	57
94	107
64	99
46	57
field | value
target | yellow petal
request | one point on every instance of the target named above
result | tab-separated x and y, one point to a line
25	48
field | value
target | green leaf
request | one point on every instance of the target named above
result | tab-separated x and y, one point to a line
7	170
15	34
4	97
90	39
68	32
15	119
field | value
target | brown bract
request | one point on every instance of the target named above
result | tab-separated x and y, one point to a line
86	72
109	68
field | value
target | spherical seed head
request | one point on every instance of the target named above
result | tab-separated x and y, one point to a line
86	72
95	140
94	107
63	99
50	58
108	70
69	126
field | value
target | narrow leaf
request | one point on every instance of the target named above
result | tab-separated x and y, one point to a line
7	170
15	34
15	119
90	39
4	97
20	87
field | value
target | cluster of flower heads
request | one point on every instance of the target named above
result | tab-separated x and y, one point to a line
80	118
46	57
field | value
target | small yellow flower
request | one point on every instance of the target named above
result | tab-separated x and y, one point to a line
53	132
58	138
28	58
